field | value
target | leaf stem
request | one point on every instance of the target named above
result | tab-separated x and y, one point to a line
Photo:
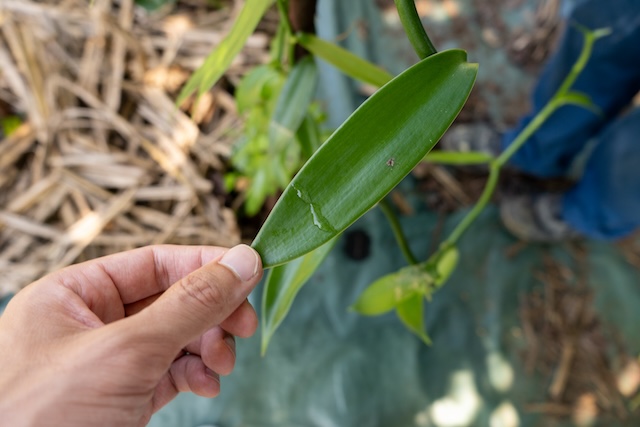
387	210
414	29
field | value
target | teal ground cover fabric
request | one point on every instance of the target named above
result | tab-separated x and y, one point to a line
327	366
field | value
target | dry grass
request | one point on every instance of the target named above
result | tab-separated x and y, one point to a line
589	374
104	161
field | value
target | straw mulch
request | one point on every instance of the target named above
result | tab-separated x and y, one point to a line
104	161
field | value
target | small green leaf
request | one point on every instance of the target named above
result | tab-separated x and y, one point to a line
592	35
350	64
386	293
446	263
220	59
257	192
458	158
411	312
10	124
293	103
367	156
151	5
283	284
309	136
260	85
581	100
273	109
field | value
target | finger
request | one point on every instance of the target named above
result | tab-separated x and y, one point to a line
190	374
243	322
220	354
217	349
199	301
136	307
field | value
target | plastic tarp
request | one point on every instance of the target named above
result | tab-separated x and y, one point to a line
330	367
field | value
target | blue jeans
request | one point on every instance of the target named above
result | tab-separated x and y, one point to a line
605	203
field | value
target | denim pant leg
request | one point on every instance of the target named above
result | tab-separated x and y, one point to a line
605	204
611	78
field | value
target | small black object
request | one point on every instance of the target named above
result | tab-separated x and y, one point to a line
357	245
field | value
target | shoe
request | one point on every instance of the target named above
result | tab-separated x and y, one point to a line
476	137
536	218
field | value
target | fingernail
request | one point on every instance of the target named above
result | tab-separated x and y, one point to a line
210	374
231	343
242	261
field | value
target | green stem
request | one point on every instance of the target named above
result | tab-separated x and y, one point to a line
590	38
387	210
559	99
414	29
489	188
529	130
283	11
278	45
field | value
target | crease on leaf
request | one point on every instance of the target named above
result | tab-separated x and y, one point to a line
318	219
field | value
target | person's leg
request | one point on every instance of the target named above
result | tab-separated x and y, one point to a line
611	79
605	204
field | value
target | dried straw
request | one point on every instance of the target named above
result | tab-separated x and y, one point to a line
104	161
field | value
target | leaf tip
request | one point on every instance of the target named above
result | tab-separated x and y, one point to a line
425	338
264	343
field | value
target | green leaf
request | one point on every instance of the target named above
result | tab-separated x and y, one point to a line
152	5
259	85
283	284
389	291
581	100
367	156
10	124
458	158
309	136
446	263
259	189
220	59
411	312
350	64
293	103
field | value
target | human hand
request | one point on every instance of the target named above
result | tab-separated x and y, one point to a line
110	341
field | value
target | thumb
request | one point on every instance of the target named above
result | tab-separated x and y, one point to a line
201	300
